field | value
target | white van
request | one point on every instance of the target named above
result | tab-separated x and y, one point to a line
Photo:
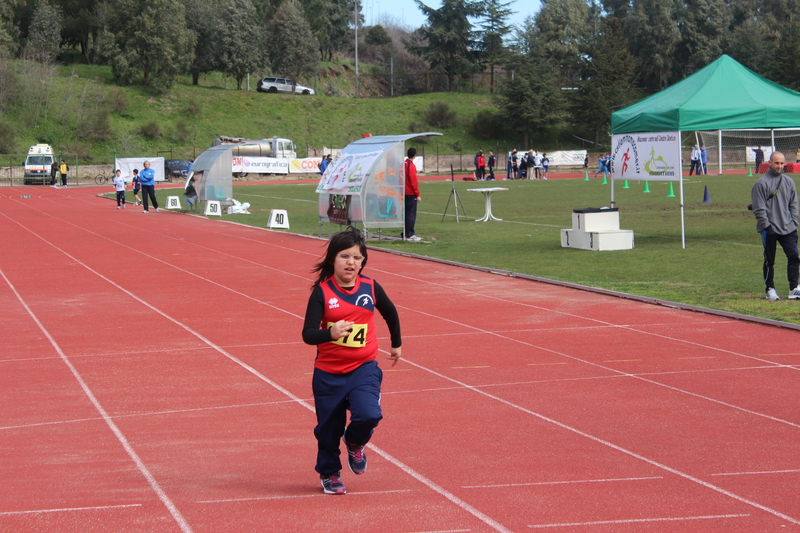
37	164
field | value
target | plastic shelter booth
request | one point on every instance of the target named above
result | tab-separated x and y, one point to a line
211	175
366	183
724	95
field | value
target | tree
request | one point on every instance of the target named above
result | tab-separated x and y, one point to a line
240	43
494	28
786	58
703	27
292	47
608	71
653	36
562	28
532	101
450	44
81	25
148	38
44	34
201	17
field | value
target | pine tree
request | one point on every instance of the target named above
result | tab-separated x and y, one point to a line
562	28
494	28
292	47
653	35
450	47
608	73
44	34
238	50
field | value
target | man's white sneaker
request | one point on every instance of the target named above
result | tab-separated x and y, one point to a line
794	294
415	238
772	294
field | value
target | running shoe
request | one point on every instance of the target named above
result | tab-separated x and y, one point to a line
333	484
356	458
415	238
794	294
772	294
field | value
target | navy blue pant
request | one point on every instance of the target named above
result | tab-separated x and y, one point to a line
788	242
410	203
360	392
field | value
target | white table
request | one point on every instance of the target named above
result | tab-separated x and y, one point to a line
487	193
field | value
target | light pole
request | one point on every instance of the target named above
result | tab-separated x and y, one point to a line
355	11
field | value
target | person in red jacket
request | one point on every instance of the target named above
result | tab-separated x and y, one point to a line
340	321
412	196
480	166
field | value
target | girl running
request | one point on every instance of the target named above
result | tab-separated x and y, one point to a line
340	321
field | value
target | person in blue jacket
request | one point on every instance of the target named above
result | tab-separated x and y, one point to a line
148	179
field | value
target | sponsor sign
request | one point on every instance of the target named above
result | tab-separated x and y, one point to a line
646	156
346	174
573	158
308	165
259	165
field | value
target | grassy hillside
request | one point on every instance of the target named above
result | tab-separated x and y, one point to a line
78	109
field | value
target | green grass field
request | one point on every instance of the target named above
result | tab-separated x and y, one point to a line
720	267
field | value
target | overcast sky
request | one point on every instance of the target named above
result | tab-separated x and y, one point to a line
407	13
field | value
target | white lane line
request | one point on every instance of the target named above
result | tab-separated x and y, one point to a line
429	483
613	446
295	496
561	482
611	370
408	470
756	473
641	520
70	509
173	510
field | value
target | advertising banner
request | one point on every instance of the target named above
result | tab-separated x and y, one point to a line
127	164
570	158
308	165
346	174
259	165
646	156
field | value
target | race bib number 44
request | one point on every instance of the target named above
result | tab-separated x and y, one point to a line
356	339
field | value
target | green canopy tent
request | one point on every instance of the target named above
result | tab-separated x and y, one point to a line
724	95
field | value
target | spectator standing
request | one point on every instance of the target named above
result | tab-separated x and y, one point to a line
775	207
480	171
536	157
492	162
704	160
119	186
148	180
695	160
545	165
64	169
323	165
759	157
412	196
514	165
523	167
54	175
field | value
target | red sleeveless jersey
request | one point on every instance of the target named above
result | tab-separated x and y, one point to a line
355	305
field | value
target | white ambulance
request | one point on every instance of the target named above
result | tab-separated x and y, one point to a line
37	164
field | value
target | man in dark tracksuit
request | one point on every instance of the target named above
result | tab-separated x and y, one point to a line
775	207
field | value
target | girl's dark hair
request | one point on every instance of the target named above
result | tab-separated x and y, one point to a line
340	241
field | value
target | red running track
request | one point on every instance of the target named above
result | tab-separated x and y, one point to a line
153	379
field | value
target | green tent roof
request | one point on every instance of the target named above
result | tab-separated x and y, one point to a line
724	95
